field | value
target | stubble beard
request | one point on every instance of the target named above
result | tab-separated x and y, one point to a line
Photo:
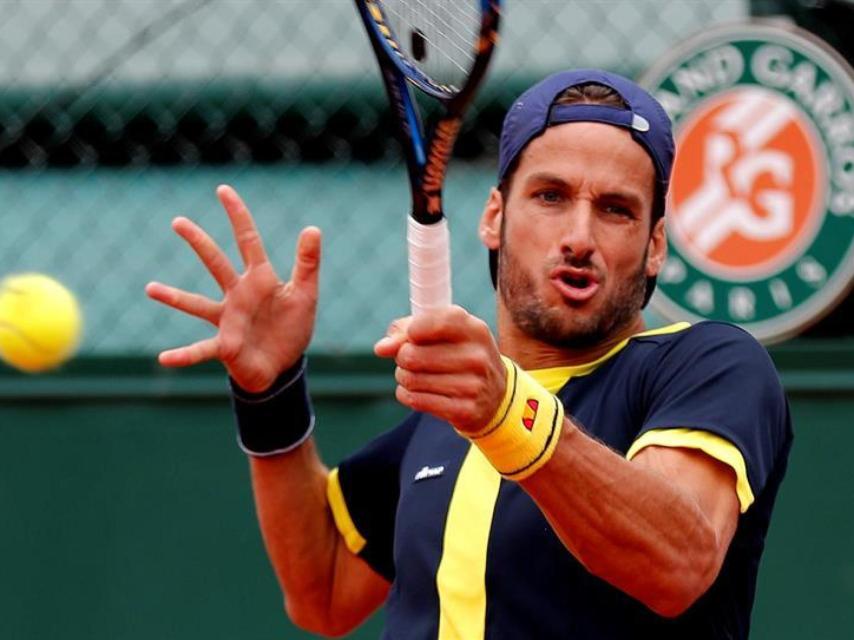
562	327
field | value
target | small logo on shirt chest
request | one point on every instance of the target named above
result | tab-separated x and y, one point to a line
429	472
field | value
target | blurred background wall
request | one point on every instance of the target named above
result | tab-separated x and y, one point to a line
125	505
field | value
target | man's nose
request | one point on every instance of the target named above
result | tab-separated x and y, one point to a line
577	242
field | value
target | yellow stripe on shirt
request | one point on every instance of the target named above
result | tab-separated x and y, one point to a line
346	527
461	578
709	443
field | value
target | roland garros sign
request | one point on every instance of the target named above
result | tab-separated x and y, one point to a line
760	214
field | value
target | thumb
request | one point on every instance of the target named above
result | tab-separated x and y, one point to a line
396	335
307	260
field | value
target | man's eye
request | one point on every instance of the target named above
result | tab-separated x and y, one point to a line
549	197
619	210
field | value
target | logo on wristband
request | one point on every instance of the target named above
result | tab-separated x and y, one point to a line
530	413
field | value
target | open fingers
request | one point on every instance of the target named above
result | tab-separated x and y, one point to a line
307	259
248	239
191	303
200	351
214	259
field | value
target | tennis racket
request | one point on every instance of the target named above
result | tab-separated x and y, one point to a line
442	48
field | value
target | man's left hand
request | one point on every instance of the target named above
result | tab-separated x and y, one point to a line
448	365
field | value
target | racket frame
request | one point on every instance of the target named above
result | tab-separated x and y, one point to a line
427	157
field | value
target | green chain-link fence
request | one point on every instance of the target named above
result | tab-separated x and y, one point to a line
116	115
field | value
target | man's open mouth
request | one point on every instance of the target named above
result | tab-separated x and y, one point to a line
575	285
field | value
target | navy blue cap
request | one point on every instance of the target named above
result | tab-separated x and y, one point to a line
534	111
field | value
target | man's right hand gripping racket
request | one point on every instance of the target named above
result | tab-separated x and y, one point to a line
443	48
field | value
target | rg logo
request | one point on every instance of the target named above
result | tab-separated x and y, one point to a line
748	185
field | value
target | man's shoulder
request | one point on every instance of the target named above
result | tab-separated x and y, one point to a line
708	338
705	331
701	347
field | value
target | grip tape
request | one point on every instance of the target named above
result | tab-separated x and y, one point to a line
429	265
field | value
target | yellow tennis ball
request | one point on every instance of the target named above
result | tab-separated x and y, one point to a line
40	322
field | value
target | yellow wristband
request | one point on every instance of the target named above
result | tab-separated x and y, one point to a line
523	433
511	372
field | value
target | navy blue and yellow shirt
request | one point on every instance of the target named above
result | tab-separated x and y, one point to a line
470	555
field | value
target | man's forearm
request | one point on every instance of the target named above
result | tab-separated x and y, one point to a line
628	523
297	526
327	589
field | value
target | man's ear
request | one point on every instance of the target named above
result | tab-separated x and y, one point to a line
657	251
490	220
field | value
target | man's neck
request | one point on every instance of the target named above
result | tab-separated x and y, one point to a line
531	353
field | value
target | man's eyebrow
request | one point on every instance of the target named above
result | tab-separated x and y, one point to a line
544	176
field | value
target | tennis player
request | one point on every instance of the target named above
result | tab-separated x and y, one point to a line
575	476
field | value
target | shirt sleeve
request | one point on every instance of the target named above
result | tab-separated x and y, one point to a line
715	388
363	492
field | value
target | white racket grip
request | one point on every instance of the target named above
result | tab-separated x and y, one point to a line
429	265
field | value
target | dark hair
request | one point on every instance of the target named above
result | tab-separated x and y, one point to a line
588	93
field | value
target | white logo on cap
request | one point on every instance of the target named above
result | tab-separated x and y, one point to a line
639	123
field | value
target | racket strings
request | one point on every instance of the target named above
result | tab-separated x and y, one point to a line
444	25
436	26
448	30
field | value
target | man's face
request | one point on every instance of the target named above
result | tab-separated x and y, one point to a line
575	241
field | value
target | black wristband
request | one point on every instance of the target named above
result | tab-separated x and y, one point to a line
277	420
